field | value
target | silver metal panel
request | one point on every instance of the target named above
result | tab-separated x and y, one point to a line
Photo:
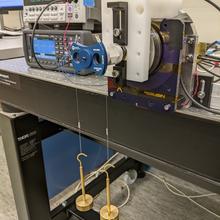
91	83
215	102
199	113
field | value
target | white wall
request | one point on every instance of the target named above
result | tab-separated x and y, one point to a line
206	18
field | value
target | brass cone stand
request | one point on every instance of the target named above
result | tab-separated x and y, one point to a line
84	202
109	212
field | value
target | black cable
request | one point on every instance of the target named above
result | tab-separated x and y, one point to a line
213	59
211	45
214	111
210	72
213	4
34	31
207	63
216	81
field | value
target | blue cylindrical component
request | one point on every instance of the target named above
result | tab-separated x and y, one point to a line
89	59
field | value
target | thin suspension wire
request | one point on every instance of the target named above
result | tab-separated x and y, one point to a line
107	127
79	122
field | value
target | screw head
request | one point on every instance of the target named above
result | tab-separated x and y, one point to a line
64	204
167	107
116	32
191	41
112	94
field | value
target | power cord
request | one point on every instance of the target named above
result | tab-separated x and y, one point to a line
180	193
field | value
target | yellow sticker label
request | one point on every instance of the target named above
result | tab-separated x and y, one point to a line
157	95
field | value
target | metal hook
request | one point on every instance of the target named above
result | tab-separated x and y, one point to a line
81	155
84	202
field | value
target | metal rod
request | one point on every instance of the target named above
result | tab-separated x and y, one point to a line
108	192
82	175
82	182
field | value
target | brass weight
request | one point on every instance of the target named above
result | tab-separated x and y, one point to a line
84	202
109	212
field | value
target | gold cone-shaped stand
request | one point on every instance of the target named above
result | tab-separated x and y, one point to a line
84	202
114	214
109	212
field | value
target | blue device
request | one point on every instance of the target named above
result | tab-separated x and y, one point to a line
11	4
89	3
89	59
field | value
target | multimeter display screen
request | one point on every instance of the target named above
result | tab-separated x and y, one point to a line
45	48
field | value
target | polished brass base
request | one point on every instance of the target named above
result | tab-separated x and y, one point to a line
84	205
113	216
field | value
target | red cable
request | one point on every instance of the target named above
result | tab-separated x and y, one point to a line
196	75
64	36
65	33
197	83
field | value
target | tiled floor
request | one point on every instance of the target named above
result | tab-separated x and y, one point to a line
7	204
150	200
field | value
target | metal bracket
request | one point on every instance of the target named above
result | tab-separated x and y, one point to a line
120	22
121	71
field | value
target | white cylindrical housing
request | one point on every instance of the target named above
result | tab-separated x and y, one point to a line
115	54
165	8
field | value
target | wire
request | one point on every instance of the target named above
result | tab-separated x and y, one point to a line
196	75
217	59
211	45
208	59
34	31
213	4
79	121
216	81
214	111
64	37
163	180
180	193
210	63
207	63
201	70
127	198
208	70
107	126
